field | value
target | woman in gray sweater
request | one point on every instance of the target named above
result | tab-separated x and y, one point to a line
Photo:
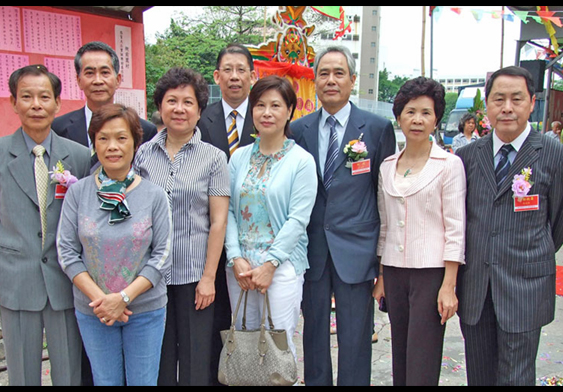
114	243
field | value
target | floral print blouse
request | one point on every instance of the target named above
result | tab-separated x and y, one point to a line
255	230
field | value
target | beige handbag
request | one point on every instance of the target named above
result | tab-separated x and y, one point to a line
256	358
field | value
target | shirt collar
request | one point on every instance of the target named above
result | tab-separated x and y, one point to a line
342	116
31	144
517	143
160	138
241	110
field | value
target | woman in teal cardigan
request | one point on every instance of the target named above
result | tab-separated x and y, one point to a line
273	190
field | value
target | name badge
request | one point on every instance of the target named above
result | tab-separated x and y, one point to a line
361	167
528	203
60	192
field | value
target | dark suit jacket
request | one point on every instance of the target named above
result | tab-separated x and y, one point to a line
214	129
346	219
29	275
73	126
513	253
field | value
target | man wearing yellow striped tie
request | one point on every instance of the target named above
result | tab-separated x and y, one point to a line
234	140
227	125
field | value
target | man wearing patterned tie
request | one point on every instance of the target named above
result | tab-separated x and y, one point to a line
344	228
227	125
506	290
35	294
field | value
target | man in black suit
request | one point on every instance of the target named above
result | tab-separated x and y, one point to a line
506	290
98	75
227	125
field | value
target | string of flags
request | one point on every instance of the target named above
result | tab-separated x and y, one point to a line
542	15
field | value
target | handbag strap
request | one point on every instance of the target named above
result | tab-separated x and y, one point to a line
262	343
266	310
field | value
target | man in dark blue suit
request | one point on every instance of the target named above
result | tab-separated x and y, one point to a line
344	228
98	75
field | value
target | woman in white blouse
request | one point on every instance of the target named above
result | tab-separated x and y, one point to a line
422	243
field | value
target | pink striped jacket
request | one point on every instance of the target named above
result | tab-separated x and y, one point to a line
425	226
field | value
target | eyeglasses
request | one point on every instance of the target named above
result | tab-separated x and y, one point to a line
230	71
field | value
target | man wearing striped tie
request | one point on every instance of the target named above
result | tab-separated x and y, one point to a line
506	290
227	125
344	228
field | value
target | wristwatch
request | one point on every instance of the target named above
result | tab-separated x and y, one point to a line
125	297
275	263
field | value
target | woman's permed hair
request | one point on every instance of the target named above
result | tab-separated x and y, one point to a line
419	87
181	77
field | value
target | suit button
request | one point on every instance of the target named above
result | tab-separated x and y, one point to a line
40	235
327	227
44	260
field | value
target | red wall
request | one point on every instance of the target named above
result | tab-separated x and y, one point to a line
91	27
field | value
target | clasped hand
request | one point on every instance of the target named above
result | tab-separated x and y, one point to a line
111	309
250	279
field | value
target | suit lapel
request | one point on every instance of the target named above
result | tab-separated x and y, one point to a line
58	153
77	130
432	170
353	131
21	168
526	157
311	138
248	130
217	129
485	162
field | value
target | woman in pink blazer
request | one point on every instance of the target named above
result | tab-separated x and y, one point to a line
422	242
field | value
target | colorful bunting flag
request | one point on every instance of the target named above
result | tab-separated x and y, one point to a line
335	12
548	19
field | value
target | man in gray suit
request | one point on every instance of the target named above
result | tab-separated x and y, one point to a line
507	289
34	292
344	227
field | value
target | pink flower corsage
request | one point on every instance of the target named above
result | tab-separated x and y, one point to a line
521	184
61	176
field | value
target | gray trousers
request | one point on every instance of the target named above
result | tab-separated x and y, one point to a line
498	358
23	342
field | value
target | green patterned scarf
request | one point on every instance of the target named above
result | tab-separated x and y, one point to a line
112	196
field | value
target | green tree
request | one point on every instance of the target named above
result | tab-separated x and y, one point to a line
195	42
388	89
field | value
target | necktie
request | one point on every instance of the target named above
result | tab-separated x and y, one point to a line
233	133
42	184
332	153
504	164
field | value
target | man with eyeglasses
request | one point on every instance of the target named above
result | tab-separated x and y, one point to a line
227	125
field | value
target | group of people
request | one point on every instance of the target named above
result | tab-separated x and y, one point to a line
139	259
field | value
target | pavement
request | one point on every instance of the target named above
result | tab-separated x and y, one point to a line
549	361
